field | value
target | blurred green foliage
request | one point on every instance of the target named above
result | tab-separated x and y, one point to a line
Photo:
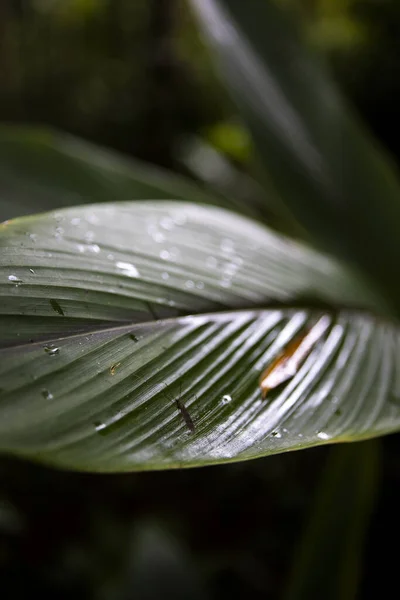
134	75
114	71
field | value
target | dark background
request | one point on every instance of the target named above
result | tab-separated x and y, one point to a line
133	75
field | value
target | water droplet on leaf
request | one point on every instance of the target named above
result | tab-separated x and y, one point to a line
165	255
127	269
93	219
15	279
227	246
226	399
51	350
158	237
167	223
225	283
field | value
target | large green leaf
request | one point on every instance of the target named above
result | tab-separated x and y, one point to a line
328	172
90	379
41	169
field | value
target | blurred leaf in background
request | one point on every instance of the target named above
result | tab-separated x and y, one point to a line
329	561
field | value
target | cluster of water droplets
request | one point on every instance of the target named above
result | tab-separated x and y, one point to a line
226	265
231	262
89	246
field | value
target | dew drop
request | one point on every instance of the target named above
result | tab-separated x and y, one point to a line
110	256
164	276
226	399
322	435
276	434
167	223
93	219
165	255
200	285
32	271
15	279
226	283
47	395
75	221
95	248
230	269
133	337
189	284
227	246
51	350
237	261
127	269
158	237
179	219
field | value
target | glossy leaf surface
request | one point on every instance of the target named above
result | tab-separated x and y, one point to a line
97	348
